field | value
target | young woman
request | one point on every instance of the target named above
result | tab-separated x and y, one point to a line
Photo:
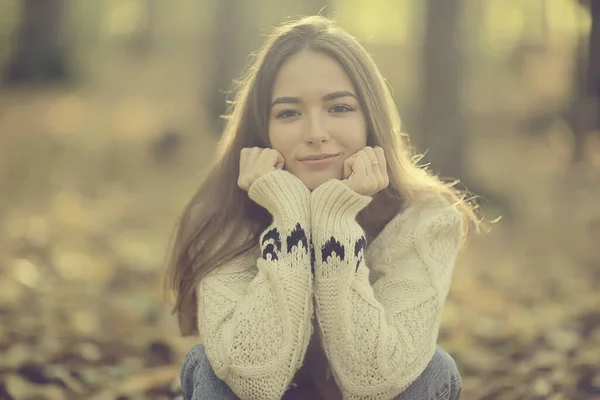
315	260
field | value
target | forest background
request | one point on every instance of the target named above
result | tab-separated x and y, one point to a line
109	117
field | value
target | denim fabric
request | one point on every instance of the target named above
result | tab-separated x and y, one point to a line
440	380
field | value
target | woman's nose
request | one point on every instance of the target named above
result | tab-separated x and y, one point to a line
316	130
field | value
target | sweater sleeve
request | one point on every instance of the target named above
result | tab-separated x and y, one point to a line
255	312
380	338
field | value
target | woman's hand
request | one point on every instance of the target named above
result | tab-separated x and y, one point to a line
256	162
365	172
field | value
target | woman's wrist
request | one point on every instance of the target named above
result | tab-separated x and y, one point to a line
284	195
334	206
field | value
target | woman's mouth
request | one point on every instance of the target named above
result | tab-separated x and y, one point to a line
319	160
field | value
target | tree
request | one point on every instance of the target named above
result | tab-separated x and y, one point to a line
584	113
41	54
229	49
143	39
443	129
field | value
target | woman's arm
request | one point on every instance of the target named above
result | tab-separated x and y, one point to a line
255	313
380	338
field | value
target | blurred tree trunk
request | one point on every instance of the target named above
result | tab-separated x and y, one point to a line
442	123
593	70
584	113
143	40
41	54
443	129
229	52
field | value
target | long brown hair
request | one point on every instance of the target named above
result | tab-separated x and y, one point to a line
221	222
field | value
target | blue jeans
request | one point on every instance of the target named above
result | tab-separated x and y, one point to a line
440	380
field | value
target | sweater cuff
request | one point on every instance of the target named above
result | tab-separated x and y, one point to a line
335	205
284	195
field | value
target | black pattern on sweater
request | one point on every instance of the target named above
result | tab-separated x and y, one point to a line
271	242
297	236
359	247
274	247
313	258
333	246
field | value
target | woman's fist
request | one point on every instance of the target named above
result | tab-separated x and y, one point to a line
256	162
365	172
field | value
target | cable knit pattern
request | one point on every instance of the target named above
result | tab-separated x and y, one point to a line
255	312
379	338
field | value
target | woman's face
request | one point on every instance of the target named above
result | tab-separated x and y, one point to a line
315	120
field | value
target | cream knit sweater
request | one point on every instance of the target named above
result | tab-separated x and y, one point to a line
378	307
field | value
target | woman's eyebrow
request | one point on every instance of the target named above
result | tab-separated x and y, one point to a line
327	97
337	95
285	100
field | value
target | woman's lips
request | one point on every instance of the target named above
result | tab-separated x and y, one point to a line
320	162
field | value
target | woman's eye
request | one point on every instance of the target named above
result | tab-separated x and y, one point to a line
287	114
340	109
